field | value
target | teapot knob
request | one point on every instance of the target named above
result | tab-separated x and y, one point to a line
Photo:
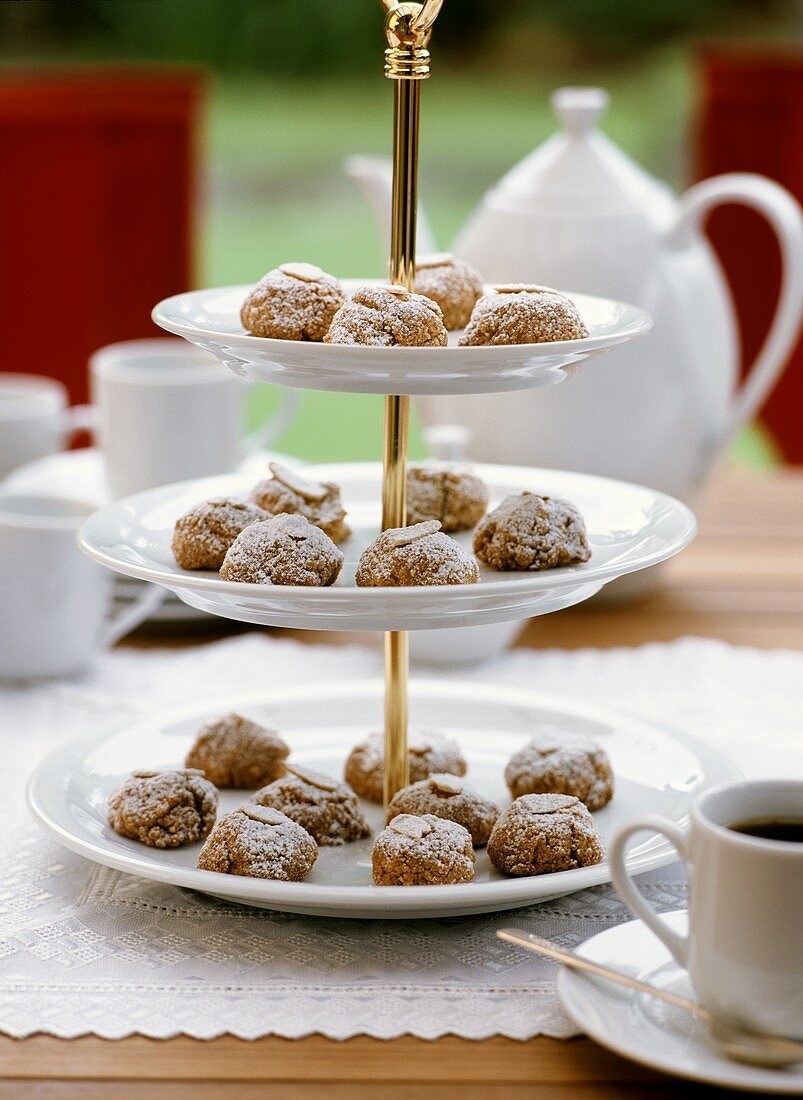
579	109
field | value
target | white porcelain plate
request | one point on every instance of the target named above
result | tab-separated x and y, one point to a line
657	771
652	1033
211	320
629	528
80	475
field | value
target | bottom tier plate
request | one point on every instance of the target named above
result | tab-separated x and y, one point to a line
657	771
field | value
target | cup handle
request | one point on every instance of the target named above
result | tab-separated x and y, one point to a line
278	423
141	609
632	896
79	418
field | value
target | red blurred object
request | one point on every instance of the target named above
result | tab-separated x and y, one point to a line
751	120
97	210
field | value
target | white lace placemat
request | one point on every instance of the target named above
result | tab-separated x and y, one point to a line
88	950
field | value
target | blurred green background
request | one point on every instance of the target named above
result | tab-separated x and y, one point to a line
297	86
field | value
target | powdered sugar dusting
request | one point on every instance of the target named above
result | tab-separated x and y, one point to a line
557	762
452	284
382	317
456	497
530	532
543	833
235	752
163	809
432	559
447	796
293	302
286	549
289	492
242	843
328	810
524	317
428	752
202	536
422	850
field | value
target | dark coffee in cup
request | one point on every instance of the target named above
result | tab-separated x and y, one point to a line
789	829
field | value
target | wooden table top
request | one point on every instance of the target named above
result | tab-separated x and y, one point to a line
740	581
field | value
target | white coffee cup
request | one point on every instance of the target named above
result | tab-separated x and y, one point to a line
744	950
35	420
169	411
54	601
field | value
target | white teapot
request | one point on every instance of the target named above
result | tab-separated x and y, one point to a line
579	215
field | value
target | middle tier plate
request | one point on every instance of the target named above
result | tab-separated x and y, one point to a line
629	528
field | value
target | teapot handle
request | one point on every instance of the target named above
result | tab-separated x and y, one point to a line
784	215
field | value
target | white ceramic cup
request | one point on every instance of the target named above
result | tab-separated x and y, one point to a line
54	601
744	950
35	420
168	411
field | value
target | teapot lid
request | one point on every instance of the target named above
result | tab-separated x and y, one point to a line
580	171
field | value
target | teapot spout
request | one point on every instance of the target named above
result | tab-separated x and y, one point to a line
375	176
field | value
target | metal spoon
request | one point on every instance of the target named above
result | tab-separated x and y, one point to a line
737	1043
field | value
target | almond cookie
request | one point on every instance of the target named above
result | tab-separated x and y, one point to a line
283	550
420	554
539	834
388	317
447	796
428	753
451	283
554	762
422	851
530	532
290	492
456	497
521	314
203	535
236	752
163	809
259	842
293	302
328	810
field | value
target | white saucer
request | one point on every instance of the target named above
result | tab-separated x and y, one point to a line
648	1031
629	528
657	771
211	320
80	475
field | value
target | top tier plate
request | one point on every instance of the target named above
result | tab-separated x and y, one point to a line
211	320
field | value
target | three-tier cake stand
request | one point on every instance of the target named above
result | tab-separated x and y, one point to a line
629	528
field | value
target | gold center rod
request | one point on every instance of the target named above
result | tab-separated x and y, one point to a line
406	98
407	29
394	485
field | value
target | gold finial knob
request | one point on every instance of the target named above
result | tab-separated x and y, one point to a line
408	27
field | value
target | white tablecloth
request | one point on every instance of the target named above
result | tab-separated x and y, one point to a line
88	950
